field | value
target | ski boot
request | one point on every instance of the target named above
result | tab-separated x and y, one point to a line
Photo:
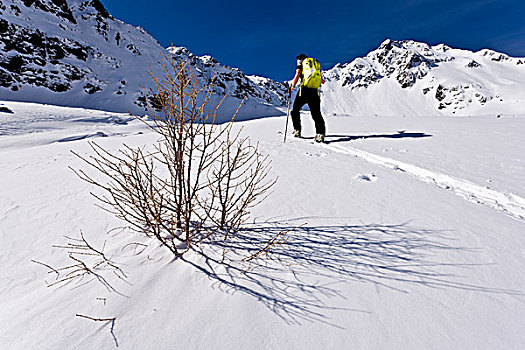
297	133
319	138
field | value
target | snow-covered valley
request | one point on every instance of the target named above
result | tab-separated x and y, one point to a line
408	234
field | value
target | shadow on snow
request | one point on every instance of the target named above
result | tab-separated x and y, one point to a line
399	135
297	279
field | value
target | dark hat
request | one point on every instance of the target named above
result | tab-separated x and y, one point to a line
301	56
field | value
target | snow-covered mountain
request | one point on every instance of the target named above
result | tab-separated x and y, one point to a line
74	53
413	78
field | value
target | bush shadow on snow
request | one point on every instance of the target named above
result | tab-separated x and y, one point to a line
299	279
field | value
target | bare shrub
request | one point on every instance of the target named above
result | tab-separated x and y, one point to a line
200	177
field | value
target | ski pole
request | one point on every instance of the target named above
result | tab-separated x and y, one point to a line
287	114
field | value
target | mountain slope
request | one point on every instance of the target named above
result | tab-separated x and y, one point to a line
74	53
413	78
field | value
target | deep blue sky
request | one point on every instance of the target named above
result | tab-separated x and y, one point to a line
263	37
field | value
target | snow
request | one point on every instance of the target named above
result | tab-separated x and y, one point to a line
407	234
403	231
509	203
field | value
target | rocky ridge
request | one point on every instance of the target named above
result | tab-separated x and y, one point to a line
449	80
405	61
231	81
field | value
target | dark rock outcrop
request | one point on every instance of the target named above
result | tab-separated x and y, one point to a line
473	64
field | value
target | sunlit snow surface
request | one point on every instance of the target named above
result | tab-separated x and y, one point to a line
412	238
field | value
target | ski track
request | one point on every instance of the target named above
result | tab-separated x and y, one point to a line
508	203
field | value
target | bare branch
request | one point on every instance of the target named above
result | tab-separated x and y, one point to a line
111	319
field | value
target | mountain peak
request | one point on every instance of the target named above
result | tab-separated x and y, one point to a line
441	78
406	61
97	5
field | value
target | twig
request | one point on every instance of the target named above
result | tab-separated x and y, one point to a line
280	238
65	279
49	267
110	319
77	253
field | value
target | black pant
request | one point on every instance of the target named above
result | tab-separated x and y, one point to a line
310	96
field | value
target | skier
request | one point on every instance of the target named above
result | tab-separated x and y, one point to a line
309	71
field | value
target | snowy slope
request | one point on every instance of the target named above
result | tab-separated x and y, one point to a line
74	53
413	78
412	238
